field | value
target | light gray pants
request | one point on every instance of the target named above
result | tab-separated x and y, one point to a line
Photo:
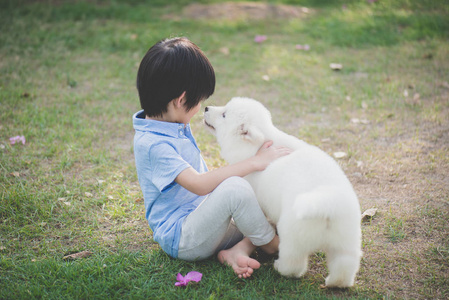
228	214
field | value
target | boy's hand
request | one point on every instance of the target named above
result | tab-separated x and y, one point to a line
268	153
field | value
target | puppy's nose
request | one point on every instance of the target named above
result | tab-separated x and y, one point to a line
206	108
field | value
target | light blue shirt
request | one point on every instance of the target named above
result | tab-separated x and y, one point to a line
163	150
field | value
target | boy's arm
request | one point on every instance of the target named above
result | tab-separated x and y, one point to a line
204	183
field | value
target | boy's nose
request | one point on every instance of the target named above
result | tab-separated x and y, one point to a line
206	108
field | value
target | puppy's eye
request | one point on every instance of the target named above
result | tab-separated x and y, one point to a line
224	115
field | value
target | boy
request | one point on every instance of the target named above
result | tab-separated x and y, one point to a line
193	213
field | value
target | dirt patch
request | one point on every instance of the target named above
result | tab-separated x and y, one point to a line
243	11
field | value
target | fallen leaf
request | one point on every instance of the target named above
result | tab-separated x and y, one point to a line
359	121
87	194
445	84
340	154
368	214
266	77
15	174
416	97
336	67
82	254
224	50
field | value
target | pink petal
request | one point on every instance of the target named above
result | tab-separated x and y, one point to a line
260	38
181	280
191	276
15	139
303	47
179	277
180	283
194	276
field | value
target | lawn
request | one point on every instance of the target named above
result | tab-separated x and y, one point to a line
67	85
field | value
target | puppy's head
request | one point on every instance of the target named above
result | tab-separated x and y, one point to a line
239	127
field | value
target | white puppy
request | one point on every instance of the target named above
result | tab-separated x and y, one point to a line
306	194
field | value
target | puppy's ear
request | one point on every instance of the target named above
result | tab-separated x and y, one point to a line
251	133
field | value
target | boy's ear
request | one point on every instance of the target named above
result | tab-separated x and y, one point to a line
180	101
251	133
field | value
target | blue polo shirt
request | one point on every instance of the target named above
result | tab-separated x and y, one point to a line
163	150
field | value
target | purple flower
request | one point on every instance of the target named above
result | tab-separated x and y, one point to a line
15	139
260	38
191	276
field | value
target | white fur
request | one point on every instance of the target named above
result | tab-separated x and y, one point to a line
306	194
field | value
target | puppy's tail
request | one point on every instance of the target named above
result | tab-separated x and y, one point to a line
323	202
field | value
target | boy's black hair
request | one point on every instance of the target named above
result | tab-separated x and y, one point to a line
169	68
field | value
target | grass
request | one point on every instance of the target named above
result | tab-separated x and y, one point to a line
67	83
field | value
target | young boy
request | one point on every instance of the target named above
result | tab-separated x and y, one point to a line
193	213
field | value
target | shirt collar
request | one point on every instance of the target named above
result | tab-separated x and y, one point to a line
177	130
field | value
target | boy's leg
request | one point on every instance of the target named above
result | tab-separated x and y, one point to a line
204	229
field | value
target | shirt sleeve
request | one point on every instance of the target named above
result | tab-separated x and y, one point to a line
166	164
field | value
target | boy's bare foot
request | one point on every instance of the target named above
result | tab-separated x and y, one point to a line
238	258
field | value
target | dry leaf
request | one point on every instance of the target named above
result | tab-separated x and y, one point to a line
82	254
336	67
368	214
405	93
266	77
15	174
224	50
340	154
87	194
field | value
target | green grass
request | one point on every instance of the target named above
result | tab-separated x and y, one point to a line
67	83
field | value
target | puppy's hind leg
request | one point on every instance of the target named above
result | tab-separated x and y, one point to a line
343	266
